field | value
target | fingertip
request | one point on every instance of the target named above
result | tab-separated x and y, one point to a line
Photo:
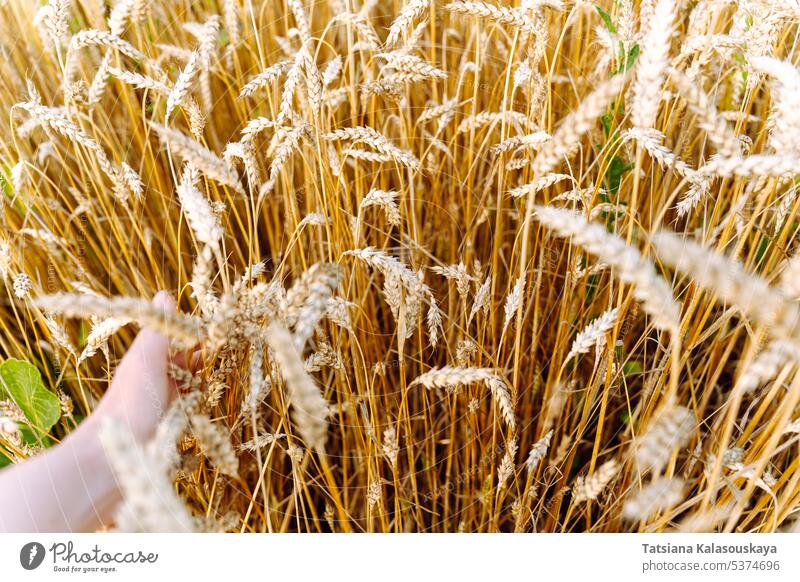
164	300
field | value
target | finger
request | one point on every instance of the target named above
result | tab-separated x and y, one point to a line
148	355
191	360
197	361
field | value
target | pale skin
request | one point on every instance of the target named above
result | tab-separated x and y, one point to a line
71	487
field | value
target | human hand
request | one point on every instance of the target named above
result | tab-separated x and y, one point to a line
142	389
71	487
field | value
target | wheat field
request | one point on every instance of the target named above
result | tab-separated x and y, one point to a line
451	266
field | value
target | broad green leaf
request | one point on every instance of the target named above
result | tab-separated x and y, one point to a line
21	382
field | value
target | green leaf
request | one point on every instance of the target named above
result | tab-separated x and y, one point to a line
22	382
630	60
609	119
607	19
762	249
631	368
616	171
4	459
6	186
633	54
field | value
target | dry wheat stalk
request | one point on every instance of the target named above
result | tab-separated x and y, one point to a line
731	283
215	444
651	66
656	496
450	377
149	502
654	293
669	431
199	156
589	488
177	325
310	410
593	333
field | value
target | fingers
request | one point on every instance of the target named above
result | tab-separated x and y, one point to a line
163	300
150	350
191	359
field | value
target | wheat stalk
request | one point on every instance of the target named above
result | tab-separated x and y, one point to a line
179	326
309	406
654	293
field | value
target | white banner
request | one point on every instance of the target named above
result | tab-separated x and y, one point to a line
403	557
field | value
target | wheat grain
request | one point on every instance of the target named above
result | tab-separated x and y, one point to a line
658	495
538	452
100	334
372	138
319	283
390	446
514	301
651	65
567	137
452	378
768	364
756	165
215	444
540	184
198	212
669	431
589	488
410	12
309	406
482	299
22	285
593	333
387	201
506	469
654	293
199	156
730	282
149	502
179	326
499	14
